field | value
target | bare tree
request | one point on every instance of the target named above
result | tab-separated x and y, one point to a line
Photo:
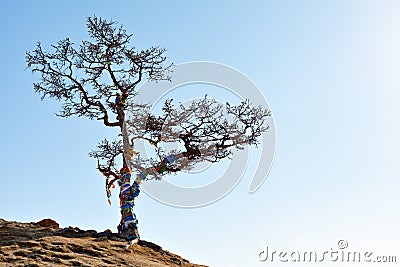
98	80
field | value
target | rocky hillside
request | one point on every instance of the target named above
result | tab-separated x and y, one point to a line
45	244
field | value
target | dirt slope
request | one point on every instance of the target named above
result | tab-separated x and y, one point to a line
45	244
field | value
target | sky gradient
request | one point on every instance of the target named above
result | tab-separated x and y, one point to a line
330	73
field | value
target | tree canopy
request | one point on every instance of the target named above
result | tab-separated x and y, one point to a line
98	78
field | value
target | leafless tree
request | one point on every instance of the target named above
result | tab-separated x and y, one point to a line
98	78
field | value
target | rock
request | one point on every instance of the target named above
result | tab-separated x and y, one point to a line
42	244
107	233
149	245
101	238
69	232
76	232
117	238
21	252
29	244
49	223
89	233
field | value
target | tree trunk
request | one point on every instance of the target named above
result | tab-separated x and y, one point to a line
127	227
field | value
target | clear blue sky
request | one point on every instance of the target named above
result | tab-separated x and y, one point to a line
330	72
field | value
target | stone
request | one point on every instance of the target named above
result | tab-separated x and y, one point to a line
49	223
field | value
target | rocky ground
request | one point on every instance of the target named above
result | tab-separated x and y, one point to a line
45	244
